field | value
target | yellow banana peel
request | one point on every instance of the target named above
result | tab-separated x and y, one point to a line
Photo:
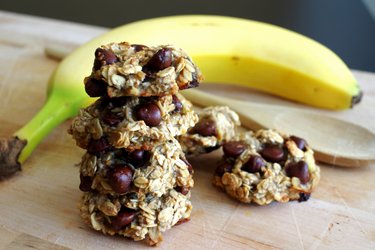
237	51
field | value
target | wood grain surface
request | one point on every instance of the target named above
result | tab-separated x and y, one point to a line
38	207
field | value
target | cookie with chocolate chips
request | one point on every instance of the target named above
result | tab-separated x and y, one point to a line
266	166
135	215
122	69
132	122
122	171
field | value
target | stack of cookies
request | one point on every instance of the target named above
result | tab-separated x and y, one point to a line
134	174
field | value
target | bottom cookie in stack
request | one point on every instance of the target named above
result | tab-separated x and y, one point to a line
266	166
136	193
135	215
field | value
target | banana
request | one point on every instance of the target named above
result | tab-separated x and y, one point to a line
227	50
237	51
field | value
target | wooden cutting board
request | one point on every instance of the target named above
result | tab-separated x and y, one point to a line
38	207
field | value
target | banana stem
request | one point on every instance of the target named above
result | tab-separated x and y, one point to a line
55	111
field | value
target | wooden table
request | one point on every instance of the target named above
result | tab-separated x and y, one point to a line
38	207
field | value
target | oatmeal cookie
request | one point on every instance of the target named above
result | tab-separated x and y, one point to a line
121	69
132	122
266	166
135	215
121	171
216	125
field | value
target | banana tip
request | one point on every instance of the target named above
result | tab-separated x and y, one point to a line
356	99
10	150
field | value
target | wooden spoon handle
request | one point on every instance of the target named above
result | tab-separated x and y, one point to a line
253	115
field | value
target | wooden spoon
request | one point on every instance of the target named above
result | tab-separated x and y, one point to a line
334	141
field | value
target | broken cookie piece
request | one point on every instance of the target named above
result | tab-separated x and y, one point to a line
216	125
266	166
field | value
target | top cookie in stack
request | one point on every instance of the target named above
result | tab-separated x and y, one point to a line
121	69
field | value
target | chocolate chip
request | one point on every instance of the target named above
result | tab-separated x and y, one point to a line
298	169
120	178
223	168
210	149
150	74
160	60
190	167
122	219
139	157
183	190
254	164
177	103
111	118
192	84
104	57
272	153
119	101
301	143
149	113
85	184
233	148
95	87
139	47
148	78
304	197
205	128
182	221
97	146
102	104
120	157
